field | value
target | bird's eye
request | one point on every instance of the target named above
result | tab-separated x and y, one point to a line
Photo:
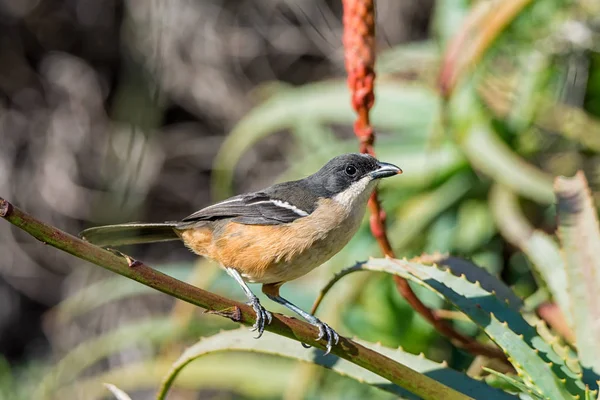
350	170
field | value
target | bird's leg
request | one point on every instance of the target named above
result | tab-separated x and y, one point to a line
263	317
325	331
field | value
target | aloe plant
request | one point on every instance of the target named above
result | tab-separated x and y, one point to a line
477	176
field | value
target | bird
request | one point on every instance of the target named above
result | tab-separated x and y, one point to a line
273	235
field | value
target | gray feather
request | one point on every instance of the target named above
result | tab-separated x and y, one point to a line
131	233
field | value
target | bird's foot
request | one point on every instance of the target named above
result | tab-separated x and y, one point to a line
326	333
263	317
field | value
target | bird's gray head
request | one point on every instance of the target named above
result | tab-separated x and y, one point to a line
348	175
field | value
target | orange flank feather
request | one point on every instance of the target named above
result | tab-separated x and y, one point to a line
276	253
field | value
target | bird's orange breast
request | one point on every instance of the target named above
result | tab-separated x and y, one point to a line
277	253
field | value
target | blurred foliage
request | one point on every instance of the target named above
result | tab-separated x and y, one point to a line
522	106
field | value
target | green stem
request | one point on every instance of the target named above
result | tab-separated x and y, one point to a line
377	363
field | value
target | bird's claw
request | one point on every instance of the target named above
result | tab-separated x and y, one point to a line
263	317
327	333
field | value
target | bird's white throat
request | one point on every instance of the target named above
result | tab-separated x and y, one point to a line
356	194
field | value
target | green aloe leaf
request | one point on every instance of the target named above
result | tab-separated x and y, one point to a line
239	340
230	372
118	393
113	288
448	18
151	332
533	76
580	238
492	156
542	369
515	382
540	248
408	57
474	273
421	210
474	227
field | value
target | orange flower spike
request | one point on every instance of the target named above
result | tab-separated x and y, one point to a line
359	44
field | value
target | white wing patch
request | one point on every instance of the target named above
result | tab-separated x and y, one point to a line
283	204
287	205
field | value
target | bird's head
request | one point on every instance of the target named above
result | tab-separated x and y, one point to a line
351	178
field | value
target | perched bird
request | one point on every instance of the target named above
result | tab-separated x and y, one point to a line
274	235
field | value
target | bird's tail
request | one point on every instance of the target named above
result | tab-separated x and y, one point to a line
131	233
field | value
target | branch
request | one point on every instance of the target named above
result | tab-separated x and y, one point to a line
291	328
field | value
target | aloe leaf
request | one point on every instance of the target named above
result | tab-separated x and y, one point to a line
558	345
118	393
489	154
152	331
565	352
496	159
515	382
539	247
474	226
448	18
580	237
543	252
324	102
421	210
408	57
239	340
532	80
474	273
572	122
528	352
106	291
231	372
457	380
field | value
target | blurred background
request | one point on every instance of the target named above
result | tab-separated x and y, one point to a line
119	111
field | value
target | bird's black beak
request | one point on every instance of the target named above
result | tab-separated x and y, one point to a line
385	170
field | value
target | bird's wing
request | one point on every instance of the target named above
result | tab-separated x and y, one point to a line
251	209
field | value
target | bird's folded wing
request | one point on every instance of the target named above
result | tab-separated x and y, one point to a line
251	209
